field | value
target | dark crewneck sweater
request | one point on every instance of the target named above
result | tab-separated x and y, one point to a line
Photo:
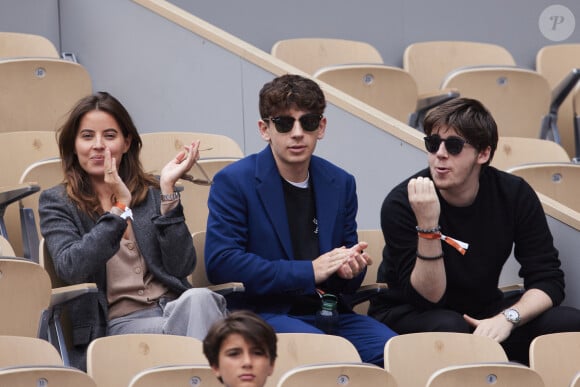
505	212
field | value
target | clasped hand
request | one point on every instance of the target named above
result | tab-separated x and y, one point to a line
347	263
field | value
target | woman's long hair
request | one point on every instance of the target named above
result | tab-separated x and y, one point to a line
77	182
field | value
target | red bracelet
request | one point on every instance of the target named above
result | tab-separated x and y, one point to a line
120	206
429	235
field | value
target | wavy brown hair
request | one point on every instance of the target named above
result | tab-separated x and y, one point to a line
77	182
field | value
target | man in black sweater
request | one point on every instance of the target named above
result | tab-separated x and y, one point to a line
450	228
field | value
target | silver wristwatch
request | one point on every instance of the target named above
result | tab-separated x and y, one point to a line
170	197
512	315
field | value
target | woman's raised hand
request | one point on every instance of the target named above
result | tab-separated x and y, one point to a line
178	166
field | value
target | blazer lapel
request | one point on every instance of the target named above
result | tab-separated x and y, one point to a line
326	193
270	192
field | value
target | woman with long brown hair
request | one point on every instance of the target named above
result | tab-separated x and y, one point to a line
111	223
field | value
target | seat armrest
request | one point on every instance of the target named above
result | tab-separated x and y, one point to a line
11	194
549	126
366	292
228	288
68	293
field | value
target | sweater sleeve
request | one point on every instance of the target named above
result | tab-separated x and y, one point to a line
534	246
77	256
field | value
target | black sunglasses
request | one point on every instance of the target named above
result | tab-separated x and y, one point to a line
453	144
309	122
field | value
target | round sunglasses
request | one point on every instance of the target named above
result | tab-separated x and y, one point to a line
453	144
283	124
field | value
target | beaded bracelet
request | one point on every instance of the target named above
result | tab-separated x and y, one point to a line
429	258
433	230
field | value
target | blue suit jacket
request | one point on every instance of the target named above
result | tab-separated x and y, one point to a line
248	237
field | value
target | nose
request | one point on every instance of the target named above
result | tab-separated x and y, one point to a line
442	151
247	359
297	129
98	142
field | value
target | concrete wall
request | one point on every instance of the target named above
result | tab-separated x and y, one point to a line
393	24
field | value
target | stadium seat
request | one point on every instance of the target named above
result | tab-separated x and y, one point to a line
388	89
429	62
177	375
554	62
555	357
485	375
298	349
21	350
15	44
337	374
514	151
310	54
559	181
41	376
113	361
411	358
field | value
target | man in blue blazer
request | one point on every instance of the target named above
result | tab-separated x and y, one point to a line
282	221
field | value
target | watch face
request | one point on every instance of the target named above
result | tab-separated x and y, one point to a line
512	315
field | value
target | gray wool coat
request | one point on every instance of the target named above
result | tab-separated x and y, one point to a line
81	246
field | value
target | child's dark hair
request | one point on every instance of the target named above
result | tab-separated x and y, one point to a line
245	323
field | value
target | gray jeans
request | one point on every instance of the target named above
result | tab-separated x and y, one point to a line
191	314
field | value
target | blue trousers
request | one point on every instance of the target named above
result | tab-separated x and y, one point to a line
367	334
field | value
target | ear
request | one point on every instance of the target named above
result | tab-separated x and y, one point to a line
215	370
128	141
264	132
271	370
321	129
483	156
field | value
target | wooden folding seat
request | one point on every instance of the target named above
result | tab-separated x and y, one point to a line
337	374
310	54
113	361
16	44
555	357
411	358
485	375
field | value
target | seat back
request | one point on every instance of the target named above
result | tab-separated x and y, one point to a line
412	358
559	181
555	357
186	375
6	249
297	349
46	173
517	98
20	350
430	62
485	375
376	241
113	361
37	93
30	146
160	147
310	54
554	62
389	89
45	376
514	151
25	293
15	44
199	276
337	374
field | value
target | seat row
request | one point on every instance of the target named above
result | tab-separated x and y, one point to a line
412	360
524	102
